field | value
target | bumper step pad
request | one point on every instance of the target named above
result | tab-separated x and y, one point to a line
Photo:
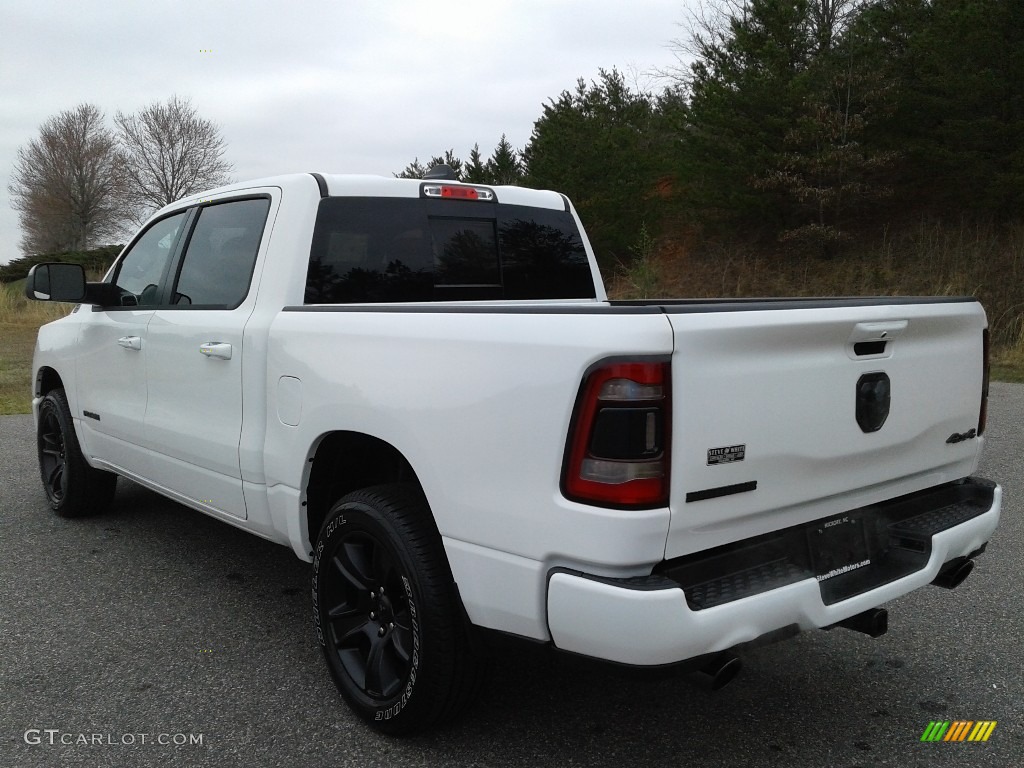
878	544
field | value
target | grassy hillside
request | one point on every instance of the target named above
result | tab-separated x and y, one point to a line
19	321
929	260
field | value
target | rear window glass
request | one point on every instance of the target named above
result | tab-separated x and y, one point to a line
400	249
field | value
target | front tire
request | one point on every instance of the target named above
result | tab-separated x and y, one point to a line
387	612
72	487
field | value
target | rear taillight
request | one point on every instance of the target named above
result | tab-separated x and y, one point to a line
617	454
983	414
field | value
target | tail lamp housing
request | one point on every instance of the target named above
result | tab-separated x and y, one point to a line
617	452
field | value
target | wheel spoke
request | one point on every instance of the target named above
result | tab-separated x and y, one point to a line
353	648
343	610
383	676
52	443
347	624
356	635
55	480
350	562
401	643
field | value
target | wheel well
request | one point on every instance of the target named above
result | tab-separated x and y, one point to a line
47	380
346	462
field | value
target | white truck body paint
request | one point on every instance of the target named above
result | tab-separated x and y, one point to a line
478	397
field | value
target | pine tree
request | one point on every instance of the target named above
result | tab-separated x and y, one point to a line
475	170
504	165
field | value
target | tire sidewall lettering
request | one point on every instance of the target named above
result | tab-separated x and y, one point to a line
335	523
398	706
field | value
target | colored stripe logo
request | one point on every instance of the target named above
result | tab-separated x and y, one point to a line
959	730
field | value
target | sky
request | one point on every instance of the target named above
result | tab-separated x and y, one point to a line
338	87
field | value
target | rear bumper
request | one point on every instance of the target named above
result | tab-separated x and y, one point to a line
660	620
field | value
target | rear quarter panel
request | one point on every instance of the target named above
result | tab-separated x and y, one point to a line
480	405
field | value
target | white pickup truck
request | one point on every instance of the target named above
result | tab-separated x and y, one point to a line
421	387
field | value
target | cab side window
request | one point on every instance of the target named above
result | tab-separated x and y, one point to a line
139	274
218	263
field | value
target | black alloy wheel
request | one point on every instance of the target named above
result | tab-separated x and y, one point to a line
388	614
368	612
52	461
72	487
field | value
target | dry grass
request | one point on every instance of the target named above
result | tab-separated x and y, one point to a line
930	260
19	322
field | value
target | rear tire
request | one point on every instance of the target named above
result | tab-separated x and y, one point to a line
388	615
73	488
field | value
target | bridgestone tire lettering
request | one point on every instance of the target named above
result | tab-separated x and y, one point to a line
387	614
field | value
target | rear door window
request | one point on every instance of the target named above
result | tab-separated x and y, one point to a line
217	267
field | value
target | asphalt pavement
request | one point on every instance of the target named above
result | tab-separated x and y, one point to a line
155	636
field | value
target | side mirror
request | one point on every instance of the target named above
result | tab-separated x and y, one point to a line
56	282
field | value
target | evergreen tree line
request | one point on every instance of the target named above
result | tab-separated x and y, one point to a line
799	123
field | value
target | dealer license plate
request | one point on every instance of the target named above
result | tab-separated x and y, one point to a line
838	546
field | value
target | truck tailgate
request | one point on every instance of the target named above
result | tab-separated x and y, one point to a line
779	409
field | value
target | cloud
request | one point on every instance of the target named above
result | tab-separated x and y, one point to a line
334	86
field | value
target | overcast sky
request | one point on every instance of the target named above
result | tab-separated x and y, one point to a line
340	87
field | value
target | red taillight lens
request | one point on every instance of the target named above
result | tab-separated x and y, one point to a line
617	454
460	193
983	414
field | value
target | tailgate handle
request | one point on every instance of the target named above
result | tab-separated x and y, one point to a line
872	339
878	331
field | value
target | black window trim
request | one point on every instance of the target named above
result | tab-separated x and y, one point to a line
175	250
168	286
178	249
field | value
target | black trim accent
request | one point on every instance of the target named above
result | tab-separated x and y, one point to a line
894	536
565	201
492	309
91	415
651	583
683	306
873	400
724	490
865	348
186	225
692	306
321	183
173	266
177	260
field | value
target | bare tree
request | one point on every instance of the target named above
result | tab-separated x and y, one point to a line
65	184
711	24
169	152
